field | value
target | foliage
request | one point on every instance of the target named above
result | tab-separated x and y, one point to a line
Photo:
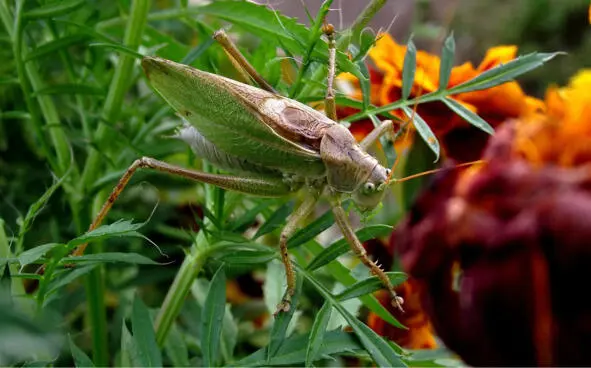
76	112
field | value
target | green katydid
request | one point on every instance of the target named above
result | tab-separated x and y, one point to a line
276	146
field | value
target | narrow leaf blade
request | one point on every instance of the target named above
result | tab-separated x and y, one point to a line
468	115
409	69
80	357
317	333
447	61
212	316
424	131
369	285
143	333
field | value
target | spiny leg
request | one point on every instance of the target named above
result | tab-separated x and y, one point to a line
329	101
269	187
222	38
290	227
343	223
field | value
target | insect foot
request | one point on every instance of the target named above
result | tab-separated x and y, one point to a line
285	304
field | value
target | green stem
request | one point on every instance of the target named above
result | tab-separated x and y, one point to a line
181	286
343	42
118	87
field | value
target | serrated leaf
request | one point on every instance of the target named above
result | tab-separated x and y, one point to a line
311	230
80	358
447	61
293	350
504	72
340	247
54	9
56	45
424	131
212	316
409	69
113	257
317	333
70	89
118	228
369	285
468	115
276	220
144	336
33	254
38	205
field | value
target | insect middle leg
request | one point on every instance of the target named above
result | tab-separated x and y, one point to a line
290	227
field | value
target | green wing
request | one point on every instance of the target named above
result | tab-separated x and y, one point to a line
241	120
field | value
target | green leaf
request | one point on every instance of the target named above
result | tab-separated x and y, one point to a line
80	358
364	83
282	321
143	334
424	131
381	352
249	257
67	276
369	285
33	254
113	257
70	89
409	69
130	355
56	45
176	347
293	351
54	9
317	333
447	61
312	230
341	246
468	115
38	206
263	22
212	316
276	220
118	228
504	72
343	275
118	47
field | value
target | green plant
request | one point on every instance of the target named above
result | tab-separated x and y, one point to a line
83	112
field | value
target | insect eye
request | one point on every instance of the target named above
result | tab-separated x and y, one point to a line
369	187
388	172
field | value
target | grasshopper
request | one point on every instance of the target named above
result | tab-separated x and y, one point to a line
275	146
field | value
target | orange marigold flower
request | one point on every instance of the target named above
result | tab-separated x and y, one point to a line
503	248
460	140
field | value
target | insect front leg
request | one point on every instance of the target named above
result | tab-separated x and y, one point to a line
265	187
222	38
343	223
290	227
375	134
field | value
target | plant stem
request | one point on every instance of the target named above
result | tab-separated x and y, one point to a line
181	286
118	87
